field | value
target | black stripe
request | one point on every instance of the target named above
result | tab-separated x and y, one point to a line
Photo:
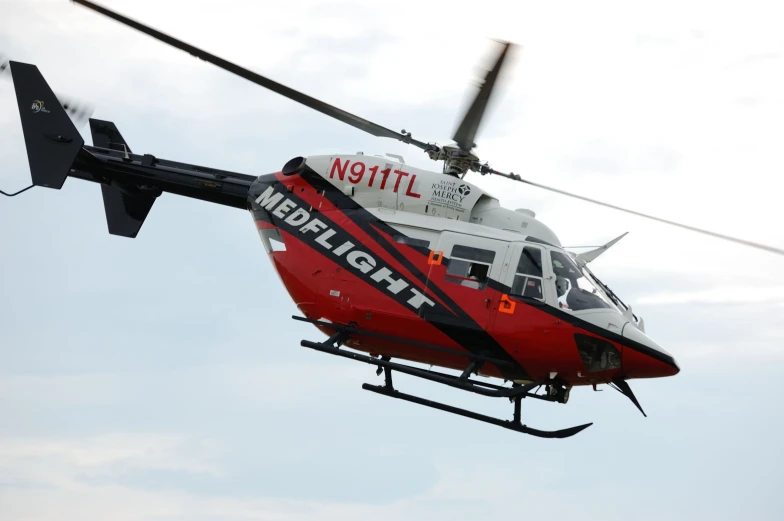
462	328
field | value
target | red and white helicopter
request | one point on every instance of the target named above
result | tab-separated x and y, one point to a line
391	262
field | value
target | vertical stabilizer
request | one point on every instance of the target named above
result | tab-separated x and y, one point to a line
126	206
52	140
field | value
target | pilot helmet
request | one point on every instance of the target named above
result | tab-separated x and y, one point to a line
561	286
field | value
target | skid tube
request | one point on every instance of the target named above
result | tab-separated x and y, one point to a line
515	424
516	393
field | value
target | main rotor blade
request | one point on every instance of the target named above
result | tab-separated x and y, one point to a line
466	131
299	97
744	242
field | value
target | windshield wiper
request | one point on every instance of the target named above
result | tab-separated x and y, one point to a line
615	298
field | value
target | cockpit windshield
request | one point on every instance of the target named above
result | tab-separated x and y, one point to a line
575	287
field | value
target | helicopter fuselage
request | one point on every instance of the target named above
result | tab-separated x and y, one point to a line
421	256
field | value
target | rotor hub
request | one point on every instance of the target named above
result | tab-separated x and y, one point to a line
456	161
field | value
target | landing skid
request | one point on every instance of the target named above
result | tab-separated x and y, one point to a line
515	394
515	424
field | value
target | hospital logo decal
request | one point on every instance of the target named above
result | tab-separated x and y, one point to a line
38	106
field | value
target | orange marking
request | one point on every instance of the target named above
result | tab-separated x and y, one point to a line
506	306
435	257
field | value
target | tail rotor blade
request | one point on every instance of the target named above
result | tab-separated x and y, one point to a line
79	111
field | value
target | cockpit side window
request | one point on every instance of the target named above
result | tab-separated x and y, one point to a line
574	289
528	275
469	267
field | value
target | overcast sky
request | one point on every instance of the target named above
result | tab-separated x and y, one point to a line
161	378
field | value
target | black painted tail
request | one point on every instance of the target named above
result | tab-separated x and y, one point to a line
53	144
52	140
130	183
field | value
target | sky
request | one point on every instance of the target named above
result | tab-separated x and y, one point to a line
161	378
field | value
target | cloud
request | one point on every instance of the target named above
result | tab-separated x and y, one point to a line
719	295
600	157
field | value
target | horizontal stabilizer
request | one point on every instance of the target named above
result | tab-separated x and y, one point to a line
52	140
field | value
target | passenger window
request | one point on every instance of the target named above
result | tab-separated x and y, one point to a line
528	276
469	267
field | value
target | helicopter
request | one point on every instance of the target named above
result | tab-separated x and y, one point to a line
393	264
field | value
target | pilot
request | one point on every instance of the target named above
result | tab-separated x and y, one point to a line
562	287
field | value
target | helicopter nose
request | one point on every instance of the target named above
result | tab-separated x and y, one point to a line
644	358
